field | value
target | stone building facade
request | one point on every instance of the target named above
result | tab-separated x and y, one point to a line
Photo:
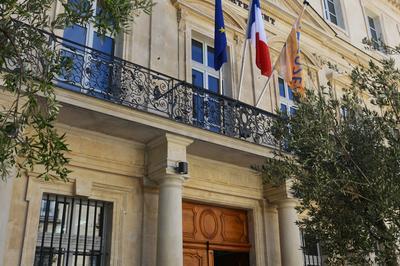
132	117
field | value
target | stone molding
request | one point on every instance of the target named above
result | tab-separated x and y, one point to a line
116	194
276	194
171	180
254	207
288	203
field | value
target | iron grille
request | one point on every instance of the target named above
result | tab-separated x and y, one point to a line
311	250
109	78
113	79
72	231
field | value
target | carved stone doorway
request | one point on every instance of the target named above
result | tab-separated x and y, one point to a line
214	236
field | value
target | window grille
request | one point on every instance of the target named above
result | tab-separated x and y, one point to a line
72	231
311	250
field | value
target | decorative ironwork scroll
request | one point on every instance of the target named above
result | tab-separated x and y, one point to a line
113	79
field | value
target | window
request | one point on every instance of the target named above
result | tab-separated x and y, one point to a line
333	12
287	98
311	250
374	30
203	72
206	106
91	70
72	231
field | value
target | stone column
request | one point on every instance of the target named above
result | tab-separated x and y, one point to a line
169	240
289	233
164	153
291	253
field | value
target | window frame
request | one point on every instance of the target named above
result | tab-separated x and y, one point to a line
204	67
201	71
339	13
311	259
90	30
205	76
69	213
88	54
290	104
328	13
377	27
373	28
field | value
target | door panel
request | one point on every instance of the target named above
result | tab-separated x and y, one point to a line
219	226
221	231
197	257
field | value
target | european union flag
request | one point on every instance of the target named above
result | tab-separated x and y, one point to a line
220	56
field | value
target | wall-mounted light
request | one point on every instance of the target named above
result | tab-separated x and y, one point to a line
182	168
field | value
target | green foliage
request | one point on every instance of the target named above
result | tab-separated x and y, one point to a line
344	158
380	45
28	65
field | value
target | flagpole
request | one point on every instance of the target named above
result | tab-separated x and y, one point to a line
220	70
268	80
219	39
246	42
305	3
220	89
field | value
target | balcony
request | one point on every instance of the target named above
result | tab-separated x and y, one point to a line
115	80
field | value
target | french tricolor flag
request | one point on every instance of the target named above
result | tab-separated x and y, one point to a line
257	36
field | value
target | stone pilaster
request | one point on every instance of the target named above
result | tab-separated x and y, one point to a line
150	222
6	187
291	253
272	234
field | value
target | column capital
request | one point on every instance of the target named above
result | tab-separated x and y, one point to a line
163	155
277	194
271	208
170	180
288	203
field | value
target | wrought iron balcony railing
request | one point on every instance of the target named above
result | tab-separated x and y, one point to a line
110	78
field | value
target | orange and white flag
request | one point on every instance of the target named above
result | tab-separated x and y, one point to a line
290	62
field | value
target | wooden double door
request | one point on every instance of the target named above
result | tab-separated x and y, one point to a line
214	236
